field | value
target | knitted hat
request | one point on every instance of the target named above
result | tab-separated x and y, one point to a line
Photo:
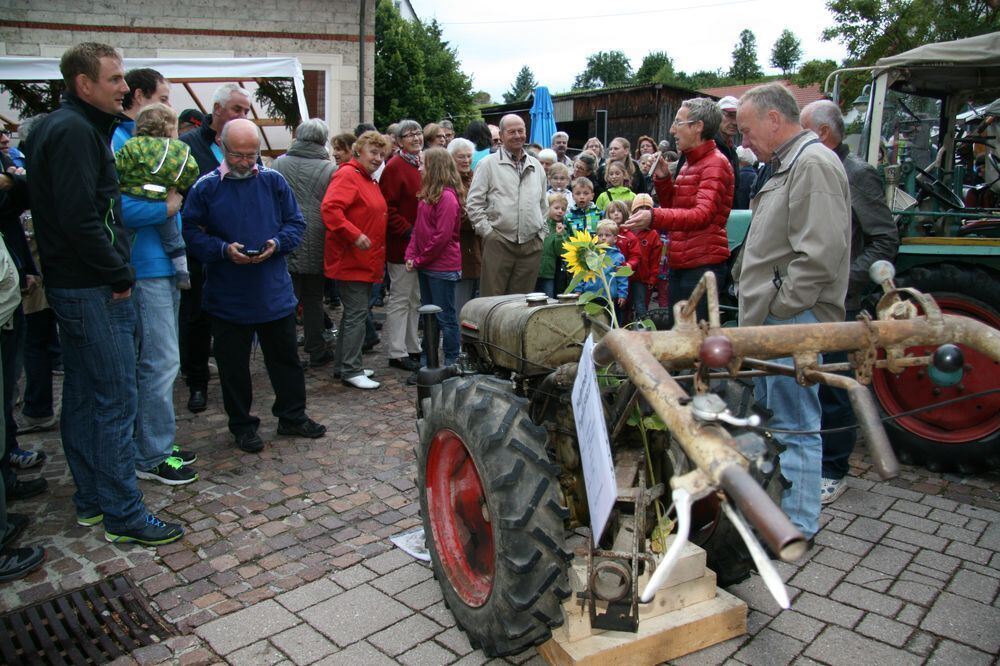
641	200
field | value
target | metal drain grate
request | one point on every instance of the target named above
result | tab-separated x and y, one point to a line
92	625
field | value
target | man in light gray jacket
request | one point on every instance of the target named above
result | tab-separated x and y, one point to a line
507	207
794	269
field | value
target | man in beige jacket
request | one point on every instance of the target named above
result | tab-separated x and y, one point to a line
793	269
507	206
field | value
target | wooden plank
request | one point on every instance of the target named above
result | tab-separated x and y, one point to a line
659	639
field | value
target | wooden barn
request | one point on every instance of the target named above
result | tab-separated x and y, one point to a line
630	111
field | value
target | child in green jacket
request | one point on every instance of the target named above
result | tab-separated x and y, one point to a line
618	190
552	271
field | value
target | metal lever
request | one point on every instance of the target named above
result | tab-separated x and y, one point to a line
709	407
764	567
682	503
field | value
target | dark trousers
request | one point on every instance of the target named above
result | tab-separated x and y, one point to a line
837	412
40	336
195	330
233	344
683	281
10	342
309	290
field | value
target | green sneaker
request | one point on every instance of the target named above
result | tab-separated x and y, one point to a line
186	457
89	521
171	472
154	532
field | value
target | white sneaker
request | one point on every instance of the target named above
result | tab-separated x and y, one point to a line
28	424
360	382
368	373
830	490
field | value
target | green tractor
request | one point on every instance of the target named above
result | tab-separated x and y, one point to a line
927	127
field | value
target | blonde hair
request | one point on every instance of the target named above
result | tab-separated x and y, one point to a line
559	167
607	225
617	205
156	120
440	171
556	196
582	182
373	139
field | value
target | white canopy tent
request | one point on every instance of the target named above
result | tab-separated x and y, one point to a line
193	79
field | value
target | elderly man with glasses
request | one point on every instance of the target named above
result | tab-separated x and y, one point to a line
240	221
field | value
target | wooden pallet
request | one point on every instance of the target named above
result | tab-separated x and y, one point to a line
688	614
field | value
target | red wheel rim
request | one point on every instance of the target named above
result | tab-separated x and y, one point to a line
460	518
958	423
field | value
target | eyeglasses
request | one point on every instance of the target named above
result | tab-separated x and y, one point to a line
410	135
241	156
677	123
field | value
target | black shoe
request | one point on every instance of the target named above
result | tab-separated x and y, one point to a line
250	442
186	457
308	428
415	356
198	402
412	379
369	346
321	360
405	363
24	489
19	562
16	524
154	532
170	472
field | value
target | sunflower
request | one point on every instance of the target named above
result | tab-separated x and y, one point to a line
580	246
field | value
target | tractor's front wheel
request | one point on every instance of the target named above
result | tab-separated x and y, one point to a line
493	516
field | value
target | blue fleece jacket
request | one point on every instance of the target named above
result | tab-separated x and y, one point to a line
219	211
618	285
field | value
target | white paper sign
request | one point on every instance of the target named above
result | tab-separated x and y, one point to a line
595	449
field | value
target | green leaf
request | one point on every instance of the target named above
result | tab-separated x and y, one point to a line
595	261
654	422
587	297
624	271
577	279
593	309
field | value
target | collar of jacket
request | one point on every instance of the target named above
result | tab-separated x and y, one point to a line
704	148
307	149
357	166
506	158
105	122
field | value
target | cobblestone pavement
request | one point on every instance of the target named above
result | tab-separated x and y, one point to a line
286	557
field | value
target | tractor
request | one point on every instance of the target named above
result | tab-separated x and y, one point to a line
506	447
927	124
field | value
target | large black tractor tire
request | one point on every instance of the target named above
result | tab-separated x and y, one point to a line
964	436
493	517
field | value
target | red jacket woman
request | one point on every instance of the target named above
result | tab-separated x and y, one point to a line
353	206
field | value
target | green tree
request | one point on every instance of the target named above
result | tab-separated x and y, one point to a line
656	66
523	85
702	79
745	67
814	71
787	52
871	30
605	68
417	75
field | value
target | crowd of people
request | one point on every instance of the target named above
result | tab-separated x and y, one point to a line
165	239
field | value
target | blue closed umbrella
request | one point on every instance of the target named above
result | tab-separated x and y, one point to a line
543	121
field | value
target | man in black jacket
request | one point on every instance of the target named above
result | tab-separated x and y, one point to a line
84	250
229	102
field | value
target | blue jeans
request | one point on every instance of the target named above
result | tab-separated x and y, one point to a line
98	337
795	407
439	289
639	296
158	301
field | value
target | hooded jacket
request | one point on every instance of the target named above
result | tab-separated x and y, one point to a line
695	208
308	169
434	244
354	205
75	201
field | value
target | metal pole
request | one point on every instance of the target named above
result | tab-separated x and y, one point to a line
361	62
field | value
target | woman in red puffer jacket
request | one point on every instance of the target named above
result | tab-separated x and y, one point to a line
695	208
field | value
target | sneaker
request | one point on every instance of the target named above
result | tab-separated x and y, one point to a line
308	428
250	442
360	382
19	489
89	521
27	424
19	562
170	472
186	457
830	490
21	459
154	532
16	524
366	371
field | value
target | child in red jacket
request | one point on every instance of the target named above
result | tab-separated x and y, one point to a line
644	251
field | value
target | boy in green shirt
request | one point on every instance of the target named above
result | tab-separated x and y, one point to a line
552	271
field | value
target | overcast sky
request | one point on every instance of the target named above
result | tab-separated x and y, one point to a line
495	39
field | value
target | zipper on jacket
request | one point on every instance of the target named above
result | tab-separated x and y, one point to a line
111	214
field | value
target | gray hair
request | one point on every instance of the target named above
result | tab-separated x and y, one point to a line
447	124
24	129
407	126
547	154
558	135
772	96
314	130
707	111
458	143
824	112
224	92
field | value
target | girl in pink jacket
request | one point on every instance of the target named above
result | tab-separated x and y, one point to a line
434	250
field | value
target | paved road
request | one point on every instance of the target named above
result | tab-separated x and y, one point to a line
287	560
